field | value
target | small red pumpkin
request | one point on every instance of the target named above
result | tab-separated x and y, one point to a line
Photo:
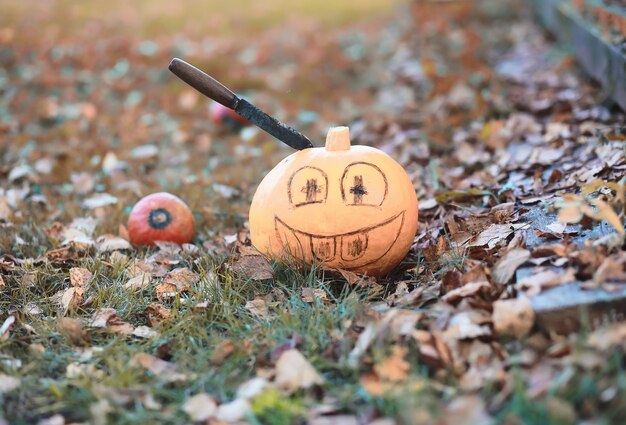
160	217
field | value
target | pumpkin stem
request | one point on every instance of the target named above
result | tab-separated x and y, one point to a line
338	139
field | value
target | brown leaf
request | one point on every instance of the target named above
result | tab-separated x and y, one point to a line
505	267
102	317
515	316
255	267
543	279
492	235
374	385
80	277
605	212
258	307
467	290
200	407
156	313
309	295
609	337
394	368
293	372
612	269
404	321
467	324
222	351
5	209
109	319
162	369
140	281
144	332
71	298
108	243
72	329
181	278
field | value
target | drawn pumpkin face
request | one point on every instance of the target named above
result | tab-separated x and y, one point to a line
349	207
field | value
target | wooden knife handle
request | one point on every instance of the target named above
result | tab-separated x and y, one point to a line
204	83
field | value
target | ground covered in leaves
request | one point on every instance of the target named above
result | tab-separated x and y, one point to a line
518	162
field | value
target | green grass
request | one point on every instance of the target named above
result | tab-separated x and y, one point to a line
191	336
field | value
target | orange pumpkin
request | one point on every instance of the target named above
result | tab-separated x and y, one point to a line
350	207
160	217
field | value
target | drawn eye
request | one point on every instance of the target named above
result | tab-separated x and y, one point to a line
308	185
363	183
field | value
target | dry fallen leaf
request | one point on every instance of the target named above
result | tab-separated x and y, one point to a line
515	316
108	318
253	266
572	209
233	412
222	351
80	277
467	290
394	368
156	313
101	318
612	269
293	372
71	298
258	307
609	337
181	278
505	267
162	369
309	295
251	388
200	407
109	243
467	324
144	332
606	212
493	235
5	209
542	279
177	281
140	281
72	329
8	383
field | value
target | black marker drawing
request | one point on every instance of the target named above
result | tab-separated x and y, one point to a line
358	189
353	246
314	193
311	189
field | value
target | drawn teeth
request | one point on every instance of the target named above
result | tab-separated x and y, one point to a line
323	248
354	249
353	246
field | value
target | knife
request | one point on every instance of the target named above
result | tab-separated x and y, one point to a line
212	88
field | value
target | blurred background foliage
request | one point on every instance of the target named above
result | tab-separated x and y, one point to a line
152	18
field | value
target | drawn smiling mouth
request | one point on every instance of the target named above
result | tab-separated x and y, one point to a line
347	250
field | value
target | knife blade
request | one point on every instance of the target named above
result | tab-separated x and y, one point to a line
212	88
